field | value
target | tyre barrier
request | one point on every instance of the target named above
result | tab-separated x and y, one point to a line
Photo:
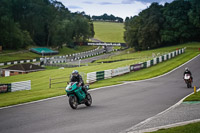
16	86
100	75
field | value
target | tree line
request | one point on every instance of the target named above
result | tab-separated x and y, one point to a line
41	22
106	17
161	25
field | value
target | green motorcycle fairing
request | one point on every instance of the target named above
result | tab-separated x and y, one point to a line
73	90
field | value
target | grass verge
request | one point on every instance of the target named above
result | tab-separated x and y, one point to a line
190	128
193	97
40	80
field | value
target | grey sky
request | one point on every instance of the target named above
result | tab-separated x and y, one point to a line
120	8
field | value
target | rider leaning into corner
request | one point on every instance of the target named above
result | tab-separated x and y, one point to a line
187	71
76	77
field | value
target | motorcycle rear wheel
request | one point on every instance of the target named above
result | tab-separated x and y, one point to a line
189	85
73	102
89	100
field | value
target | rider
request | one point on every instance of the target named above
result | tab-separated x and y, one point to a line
76	77
187	71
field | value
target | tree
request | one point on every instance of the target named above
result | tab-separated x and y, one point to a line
156	26
106	17
143	31
11	36
43	22
177	28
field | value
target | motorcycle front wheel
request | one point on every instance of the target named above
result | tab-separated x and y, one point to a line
73	102
89	100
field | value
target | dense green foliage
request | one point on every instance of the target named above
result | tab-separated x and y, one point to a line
158	25
106	17
41	22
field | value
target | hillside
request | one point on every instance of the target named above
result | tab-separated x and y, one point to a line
109	32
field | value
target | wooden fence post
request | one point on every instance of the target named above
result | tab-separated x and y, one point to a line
50	82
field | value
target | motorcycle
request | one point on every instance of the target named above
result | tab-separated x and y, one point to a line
77	95
188	80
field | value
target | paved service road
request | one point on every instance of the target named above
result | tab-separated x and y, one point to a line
89	60
114	109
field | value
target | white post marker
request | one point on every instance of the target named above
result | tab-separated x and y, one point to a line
79	62
42	53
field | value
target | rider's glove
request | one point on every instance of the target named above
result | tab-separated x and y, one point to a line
79	84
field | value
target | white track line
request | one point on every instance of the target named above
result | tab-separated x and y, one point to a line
100	87
166	126
161	113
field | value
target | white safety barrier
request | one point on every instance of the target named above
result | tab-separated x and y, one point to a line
160	59
120	71
91	77
148	63
177	52
165	57
108	74
18	86
96	76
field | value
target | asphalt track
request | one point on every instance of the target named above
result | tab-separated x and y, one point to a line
114	109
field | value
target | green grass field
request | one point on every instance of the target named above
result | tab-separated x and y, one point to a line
109	32
190	128
18	56
30	55
40	80
130	54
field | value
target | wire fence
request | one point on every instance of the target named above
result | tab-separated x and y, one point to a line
61	82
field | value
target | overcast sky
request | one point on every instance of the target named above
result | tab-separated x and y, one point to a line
120	8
